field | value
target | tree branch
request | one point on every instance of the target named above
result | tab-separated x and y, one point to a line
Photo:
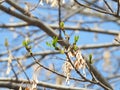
75	28
15	84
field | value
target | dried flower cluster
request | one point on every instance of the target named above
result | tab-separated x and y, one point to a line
54	3
79	63
10	57
67	67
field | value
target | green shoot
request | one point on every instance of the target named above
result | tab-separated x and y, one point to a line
75	47
48	44
54	41
76	38
90	59
62	25
25	43
6	42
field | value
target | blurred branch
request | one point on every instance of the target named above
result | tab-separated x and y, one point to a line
108	6
102	81
14	25
113	76
98	10
104	45
44	53
118	7
15	84
34	22
78	10
76	28
114	0
2	1
12	3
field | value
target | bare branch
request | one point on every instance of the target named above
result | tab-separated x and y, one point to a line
75	28
15	84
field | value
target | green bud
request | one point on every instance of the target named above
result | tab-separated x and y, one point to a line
76	38
6	42
54	41
90	59
75	47
62	25
25	43
62	51
48	44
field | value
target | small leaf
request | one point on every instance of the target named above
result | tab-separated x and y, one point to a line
54	41
62	51
75	47
25	42
48	44
62	25
76	38
6	42
90	59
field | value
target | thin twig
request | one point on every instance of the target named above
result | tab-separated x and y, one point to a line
15	83
13	70
108	6
117	40
20	67
78	71
19	8
118	7
35	6
36	61
98	10
23	70
59	16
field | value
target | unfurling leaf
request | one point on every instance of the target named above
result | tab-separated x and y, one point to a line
48	44
75	47
25	43
76	38
62	25
6	42
54	41
62	51
90	59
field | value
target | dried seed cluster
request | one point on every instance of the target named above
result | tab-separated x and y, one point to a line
54	3
79	63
